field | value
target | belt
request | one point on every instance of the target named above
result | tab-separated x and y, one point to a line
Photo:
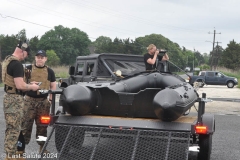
36	99
21	94
17	91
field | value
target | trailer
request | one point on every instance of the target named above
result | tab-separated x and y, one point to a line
135	115
110	137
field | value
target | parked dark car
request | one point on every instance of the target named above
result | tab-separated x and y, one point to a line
213	78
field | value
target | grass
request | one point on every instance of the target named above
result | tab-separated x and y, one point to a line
61	71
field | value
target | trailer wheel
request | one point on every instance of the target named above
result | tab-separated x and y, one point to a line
230	84
205	145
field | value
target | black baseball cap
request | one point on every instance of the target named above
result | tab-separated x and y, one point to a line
41	53
24	46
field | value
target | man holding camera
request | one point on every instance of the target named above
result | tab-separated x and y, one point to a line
151	57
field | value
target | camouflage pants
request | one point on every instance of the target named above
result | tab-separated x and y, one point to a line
35	108
13	111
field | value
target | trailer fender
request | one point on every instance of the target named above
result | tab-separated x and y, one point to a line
209	121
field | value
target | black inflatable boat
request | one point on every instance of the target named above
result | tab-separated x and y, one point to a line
148	94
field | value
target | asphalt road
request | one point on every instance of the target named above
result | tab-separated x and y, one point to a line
226	139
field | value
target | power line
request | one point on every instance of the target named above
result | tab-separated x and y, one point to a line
140	19
24	21
39	7
45	10
126	16
72	18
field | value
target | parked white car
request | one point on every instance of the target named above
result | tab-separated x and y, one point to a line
187	69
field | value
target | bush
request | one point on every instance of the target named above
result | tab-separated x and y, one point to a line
204	67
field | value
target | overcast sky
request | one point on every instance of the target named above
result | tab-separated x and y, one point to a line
190	23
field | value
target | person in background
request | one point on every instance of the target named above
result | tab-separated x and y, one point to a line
37	104
151	57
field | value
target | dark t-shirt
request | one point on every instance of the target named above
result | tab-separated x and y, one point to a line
150	66
51	78
15	69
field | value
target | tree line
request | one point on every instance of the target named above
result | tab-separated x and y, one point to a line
64	44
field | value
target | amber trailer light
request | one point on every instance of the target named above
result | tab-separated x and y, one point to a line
201	129
45	120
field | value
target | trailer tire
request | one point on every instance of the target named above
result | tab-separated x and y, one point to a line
205	147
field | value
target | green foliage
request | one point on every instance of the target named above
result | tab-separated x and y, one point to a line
8	45
52	58
67	43
33	46
231	56
101	44
21	35
206	58
125	46
182	58
204	67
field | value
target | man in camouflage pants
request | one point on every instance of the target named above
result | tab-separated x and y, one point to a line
37	104
13	101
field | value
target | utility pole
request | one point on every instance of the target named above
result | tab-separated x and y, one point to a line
217	57
0	54
213	46
193	59
0	64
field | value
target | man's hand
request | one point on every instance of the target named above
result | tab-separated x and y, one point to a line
157	51
34	87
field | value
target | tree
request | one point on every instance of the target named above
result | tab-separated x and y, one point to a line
33	48
8	45
124	46
101	44
67	43
198	59
206	58
231	56
52	58
21	35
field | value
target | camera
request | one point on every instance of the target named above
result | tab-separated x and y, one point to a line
162	52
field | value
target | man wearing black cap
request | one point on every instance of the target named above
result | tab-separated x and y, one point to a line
37	104
13	101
